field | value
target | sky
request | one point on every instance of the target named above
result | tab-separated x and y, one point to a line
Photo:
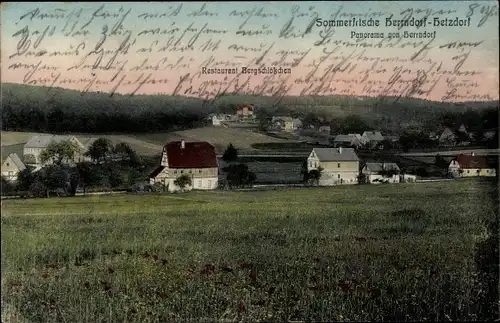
157	48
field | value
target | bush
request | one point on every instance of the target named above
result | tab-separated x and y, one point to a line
38	189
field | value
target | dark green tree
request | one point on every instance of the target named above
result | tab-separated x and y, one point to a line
230	154
99	149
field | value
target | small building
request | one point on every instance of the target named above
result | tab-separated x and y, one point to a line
245	111
216	121
340	165
11	167
34	147
196	159
381	172
471	165
350	140
325	129
372	138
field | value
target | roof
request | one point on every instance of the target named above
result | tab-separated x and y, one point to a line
88	142
345	138
469	161
193	155
42	141
156	171
17	161
333	154
373	135
378	167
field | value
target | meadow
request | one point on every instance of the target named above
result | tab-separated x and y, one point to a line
388	252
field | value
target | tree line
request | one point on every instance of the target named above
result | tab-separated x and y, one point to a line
55	110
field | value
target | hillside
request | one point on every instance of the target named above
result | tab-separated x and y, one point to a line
42	109
152	144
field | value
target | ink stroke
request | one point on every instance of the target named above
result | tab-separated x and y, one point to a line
439	51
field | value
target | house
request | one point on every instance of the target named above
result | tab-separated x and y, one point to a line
287	123
245	111
448	137
340	165
33	148
455	136
372	138
471	165
216	120
325	129
11	166
350	140
381	172
196	159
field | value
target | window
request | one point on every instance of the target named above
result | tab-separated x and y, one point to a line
199	184
175	171
338	175
310	164
182	171
8	164
189	171
199	171
338	165
468	171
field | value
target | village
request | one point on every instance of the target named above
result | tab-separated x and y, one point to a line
324	159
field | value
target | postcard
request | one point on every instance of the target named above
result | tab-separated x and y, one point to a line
249	161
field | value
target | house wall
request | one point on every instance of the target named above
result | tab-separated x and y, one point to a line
335	172
202	178
471	172
10	170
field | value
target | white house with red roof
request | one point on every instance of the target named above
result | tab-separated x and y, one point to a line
471	165
195	159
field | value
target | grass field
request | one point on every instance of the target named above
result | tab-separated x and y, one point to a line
152	144
391	252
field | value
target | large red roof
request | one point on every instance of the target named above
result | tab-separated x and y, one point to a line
193	155
469	161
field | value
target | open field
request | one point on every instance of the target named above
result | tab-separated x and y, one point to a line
323	254
220	137
152	144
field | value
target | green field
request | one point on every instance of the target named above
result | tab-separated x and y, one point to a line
389	252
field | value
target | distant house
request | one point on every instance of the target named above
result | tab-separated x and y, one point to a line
455	136
350	140
325	129
372	138
489	134
286	123
340	165
216	120
471	165
245	111
11	166
381	172
196	159
33	148
448	137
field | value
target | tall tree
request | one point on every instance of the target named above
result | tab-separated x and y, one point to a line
59	153
231	154
99	149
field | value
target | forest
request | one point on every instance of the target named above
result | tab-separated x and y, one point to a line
56	110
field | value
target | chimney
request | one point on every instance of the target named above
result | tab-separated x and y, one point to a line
183	144
340	150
